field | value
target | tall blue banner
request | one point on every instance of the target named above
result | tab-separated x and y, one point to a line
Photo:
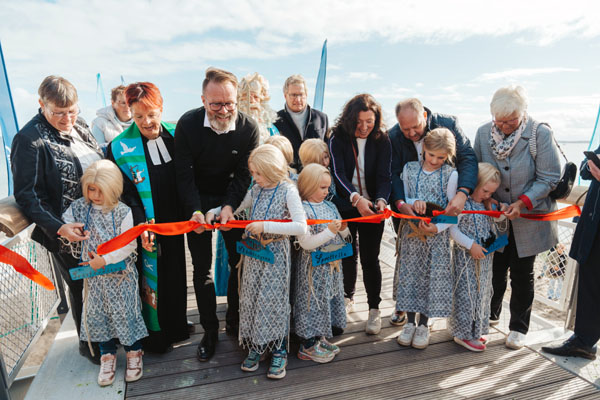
320	88
100	90
8	119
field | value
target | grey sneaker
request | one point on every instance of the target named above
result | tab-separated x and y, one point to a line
406	336
374	322
421	338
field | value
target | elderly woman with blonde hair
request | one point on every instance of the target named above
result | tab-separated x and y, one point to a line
253	99
524	152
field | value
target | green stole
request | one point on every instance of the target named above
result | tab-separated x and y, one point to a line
128	151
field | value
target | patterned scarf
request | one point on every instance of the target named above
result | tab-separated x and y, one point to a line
66	161
501	144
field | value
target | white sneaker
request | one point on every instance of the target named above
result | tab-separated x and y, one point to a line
108	363
406	336
515	340
421	338
349	303
135	366
374	322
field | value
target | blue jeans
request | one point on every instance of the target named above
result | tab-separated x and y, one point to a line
110	347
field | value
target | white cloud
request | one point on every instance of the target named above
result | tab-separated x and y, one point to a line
517	73
364	76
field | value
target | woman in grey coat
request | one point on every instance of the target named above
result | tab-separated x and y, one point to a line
529	174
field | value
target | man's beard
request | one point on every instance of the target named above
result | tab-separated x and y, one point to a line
220	124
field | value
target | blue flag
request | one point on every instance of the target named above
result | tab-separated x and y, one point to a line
320	88
8	119
100	89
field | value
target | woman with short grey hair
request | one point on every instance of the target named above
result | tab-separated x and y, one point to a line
528	175
49	155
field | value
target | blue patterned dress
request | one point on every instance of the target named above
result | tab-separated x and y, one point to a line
318	291
472	278
113	307
265	287
424	269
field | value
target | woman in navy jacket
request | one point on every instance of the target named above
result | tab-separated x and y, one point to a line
585	248
361	160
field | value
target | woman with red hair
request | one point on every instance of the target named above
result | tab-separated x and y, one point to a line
144	152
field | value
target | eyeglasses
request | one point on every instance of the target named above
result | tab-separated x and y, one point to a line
63	114
218	106
297	95
509	122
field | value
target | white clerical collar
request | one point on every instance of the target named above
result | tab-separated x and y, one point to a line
154	147
208	125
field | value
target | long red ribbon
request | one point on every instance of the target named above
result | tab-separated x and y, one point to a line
180	228
563	213
22	266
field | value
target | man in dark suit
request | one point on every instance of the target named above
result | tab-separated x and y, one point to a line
586	250
298	121
212	146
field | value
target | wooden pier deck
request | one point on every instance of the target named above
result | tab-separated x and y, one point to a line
368	367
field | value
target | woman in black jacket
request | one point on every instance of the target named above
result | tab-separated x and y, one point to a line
361	159
48	157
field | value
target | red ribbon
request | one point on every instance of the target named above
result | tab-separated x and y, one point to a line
180	228
22	266
563	213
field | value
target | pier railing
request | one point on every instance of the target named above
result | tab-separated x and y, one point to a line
25	307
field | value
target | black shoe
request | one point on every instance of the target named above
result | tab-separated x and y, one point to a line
206	348
336	330
572	347
84	350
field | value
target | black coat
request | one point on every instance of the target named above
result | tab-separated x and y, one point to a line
403	151
38	184
377	168
316	128
589	222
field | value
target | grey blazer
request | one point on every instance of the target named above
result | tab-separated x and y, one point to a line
521	175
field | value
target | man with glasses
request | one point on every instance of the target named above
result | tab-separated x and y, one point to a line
212	146
297	121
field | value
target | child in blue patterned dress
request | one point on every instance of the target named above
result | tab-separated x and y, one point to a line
423	267
265	283
319	288
473	265
316	151
112	306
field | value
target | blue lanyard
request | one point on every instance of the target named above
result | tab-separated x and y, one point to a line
478	239
87	220
441	182
313	210
270	202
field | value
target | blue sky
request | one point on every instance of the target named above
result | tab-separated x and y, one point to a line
452	55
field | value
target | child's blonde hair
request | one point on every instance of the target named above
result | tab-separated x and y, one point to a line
310	179
284	145
107	177
311	151
269	161
487	173
441	139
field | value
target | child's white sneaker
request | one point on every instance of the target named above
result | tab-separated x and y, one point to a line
374	322
407	334
349	304
421	338
515	340
108	363
135	365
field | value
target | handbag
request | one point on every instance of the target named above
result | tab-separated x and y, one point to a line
569	172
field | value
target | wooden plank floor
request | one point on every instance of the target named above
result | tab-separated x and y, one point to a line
368	367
